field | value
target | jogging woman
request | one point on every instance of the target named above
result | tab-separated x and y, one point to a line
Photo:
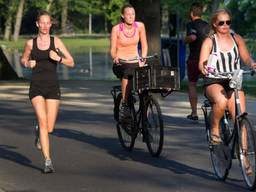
41	56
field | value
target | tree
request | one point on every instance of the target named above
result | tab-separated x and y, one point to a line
11	7
64	16
49	5
113	10
18	20
87	8
243	14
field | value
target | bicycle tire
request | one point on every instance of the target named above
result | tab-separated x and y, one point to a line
153	126
220	161
126	132
245	124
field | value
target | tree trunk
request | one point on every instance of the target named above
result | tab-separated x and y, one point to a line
8	28
105	25
215	4
49	5
90	23
64	16
18	20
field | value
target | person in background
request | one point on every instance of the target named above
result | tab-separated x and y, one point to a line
125	38
42	55
197	31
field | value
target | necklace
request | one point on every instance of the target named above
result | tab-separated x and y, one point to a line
128	35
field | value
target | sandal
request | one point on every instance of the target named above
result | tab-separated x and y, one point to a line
215	139
192	117
248	168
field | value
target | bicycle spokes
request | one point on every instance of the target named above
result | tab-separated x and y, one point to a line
247	152
153	126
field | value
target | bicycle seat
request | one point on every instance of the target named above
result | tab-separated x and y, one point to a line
117	87
207	103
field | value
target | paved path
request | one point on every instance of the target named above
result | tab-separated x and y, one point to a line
86	152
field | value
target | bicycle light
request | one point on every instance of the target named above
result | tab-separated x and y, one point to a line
236	81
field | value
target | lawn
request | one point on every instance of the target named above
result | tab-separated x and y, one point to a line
249	86
75	44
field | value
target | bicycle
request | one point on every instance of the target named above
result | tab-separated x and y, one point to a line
234	138
146	119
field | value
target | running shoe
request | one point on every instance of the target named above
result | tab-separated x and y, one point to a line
48	166
37	136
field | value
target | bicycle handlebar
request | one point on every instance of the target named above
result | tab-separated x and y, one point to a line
139	58
236	77
230	74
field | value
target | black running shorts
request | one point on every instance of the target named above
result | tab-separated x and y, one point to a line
46	89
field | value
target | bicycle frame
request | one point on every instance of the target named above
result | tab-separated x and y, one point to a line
233	139
138	113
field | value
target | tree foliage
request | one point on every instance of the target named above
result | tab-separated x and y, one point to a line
243	16
106	13
113	10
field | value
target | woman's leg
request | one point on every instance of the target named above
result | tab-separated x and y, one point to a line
231	106
124	90
39	105
52	108
231	103
217	95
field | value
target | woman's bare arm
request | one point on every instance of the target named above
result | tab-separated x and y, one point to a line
243	51
143	40
67	59
204	55
24	60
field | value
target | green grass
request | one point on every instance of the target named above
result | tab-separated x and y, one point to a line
249	87
74	44
251	45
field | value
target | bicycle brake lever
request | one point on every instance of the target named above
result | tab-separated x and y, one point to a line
253	72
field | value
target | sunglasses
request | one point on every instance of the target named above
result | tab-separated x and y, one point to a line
221	23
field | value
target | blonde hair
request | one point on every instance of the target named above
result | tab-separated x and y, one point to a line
215	15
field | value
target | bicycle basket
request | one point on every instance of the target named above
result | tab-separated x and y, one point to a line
156	78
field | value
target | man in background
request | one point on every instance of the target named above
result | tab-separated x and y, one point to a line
197	31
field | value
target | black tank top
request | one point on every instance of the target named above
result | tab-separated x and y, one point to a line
45	68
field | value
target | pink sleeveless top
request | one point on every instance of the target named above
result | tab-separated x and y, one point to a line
127	46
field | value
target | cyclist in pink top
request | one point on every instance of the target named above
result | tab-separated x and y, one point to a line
125	38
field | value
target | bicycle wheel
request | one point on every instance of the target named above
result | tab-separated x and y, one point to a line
126	131
153	126
247	152
220	154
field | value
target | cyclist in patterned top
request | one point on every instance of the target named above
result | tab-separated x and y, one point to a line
125	38
229	48
40	55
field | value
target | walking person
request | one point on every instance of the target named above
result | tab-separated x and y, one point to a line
125	38
41	56
228	48
197	31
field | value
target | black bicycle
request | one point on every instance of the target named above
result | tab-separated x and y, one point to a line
145	119
238	140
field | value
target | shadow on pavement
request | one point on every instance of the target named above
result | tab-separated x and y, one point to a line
138	155
8	154
108	143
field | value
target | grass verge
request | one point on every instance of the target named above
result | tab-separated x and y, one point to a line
249	87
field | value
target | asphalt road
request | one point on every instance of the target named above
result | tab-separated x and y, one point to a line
87	154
